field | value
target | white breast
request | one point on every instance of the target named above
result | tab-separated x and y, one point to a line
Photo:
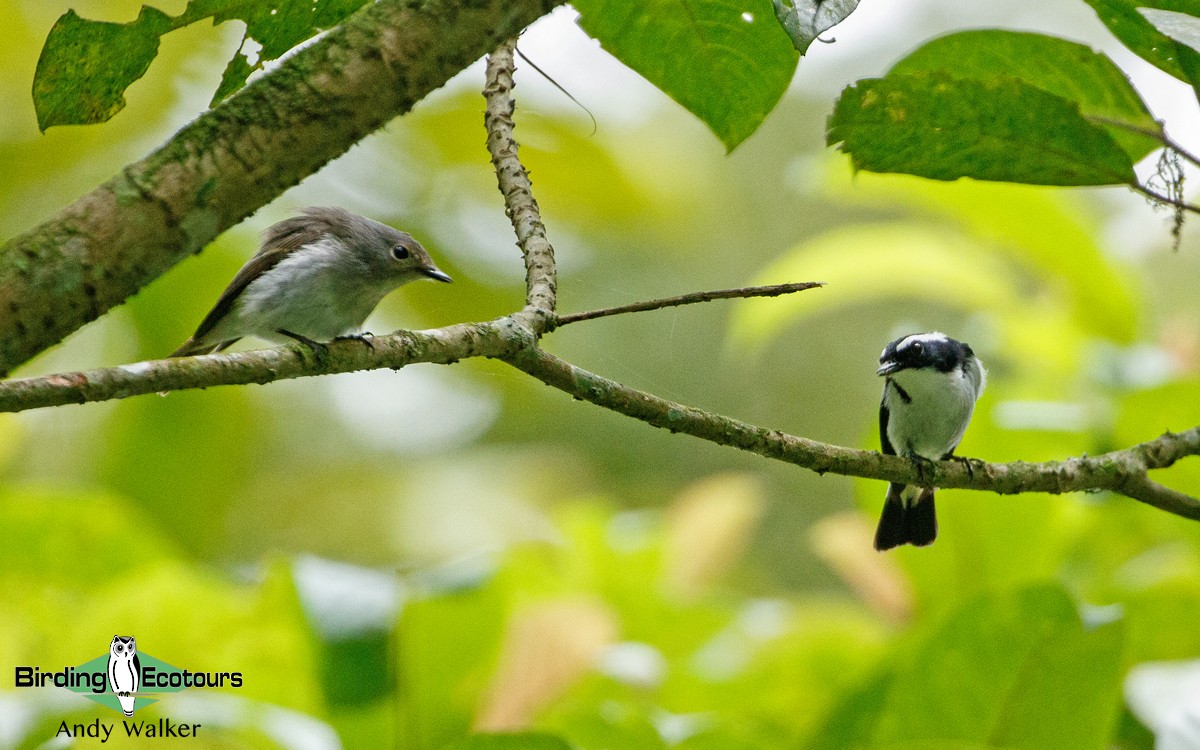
316	292
933	419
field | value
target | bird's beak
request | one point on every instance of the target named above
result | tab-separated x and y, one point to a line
436	275
887	368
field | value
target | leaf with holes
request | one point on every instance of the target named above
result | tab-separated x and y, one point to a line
1072	71
85	65
933	125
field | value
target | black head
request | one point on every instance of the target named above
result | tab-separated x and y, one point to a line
934	351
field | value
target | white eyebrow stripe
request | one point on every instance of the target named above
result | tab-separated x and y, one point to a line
922	337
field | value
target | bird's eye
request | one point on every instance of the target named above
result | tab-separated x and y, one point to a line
916	345
399	252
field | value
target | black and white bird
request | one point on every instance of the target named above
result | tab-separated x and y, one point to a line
932	383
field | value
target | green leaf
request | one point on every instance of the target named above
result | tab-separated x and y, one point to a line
723	60
1123	19
236	72
85	66
932	125
805	20
1072	71
990	675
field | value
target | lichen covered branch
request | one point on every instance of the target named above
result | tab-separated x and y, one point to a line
541	282
1123	471
441	346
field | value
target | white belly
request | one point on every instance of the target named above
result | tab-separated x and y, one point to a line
313	293
932	422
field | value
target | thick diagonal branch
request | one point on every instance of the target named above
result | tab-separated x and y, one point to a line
541	280
239	156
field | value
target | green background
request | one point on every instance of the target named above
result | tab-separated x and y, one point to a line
398	559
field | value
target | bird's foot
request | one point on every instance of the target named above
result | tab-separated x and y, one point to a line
968	464
923	464
319	351
362	338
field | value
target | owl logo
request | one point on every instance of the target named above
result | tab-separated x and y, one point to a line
124	671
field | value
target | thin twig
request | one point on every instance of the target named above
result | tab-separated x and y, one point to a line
1142	488
1163	199
1159	135
687	299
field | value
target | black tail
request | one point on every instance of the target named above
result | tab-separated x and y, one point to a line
914	524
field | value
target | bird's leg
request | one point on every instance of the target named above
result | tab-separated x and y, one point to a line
319	350
966	462
362	338
921	463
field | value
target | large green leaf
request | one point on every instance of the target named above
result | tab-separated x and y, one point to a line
1072	71
723	60
1123	19
1012	670
934	125
85	66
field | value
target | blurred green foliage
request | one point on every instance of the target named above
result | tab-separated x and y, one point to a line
459	557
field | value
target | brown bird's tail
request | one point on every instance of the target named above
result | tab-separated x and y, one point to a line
906	522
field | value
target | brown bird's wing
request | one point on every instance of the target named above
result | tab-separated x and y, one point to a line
279	241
